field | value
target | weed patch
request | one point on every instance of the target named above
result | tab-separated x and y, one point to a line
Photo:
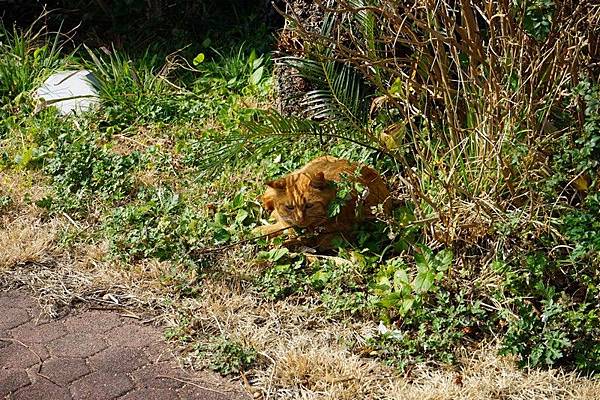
159	226
85	171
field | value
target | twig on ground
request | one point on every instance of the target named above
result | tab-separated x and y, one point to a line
195	384
40	361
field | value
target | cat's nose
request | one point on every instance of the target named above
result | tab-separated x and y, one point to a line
300	217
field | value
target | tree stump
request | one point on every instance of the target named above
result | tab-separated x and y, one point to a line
289	87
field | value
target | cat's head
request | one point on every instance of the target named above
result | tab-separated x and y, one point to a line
301	200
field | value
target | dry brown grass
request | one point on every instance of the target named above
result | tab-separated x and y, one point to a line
305	357
26	240
31	255
485	375
82	274
24	189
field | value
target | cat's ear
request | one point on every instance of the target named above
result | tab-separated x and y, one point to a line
318	181
277	184
268	203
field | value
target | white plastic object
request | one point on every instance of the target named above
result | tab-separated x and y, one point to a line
70	91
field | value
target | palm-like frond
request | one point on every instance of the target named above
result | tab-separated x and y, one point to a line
340	91
271	124
269	130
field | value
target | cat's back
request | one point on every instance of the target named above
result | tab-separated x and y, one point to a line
330	166
333	168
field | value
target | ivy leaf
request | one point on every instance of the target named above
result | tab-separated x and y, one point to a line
401	281
391	300
241	216
421	261
221	236
220	219
406	305
276	254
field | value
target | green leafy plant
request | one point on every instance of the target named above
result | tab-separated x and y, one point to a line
582	227
553	312
340	283
537	16
158	225
432	332
346	188
588	143
84	171
398	291
228	357
5	202
286	277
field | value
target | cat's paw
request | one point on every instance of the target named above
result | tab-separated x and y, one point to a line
269	230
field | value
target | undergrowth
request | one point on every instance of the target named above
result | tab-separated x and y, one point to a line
493	164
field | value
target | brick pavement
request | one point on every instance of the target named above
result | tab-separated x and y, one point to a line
92	355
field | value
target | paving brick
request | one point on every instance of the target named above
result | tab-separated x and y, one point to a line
11	380
94	355
158	353
42	389
156	376
101	386
17	299
12	318
34	333
16	355
118	359
151	394
191	392
77	345
64	370
92	321
130	335
39	349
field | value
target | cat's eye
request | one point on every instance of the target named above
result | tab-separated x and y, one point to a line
308	205
289	206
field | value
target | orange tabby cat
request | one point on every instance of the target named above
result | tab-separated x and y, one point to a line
301	199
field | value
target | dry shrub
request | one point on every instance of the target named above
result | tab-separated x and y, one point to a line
472	102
